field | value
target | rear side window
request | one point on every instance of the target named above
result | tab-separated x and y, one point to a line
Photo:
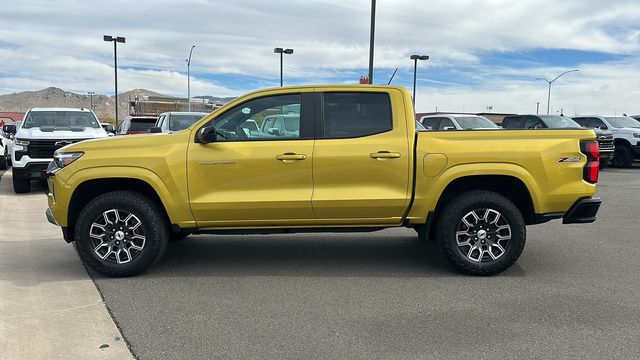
446	123
356	114
431	123
513	122
141	124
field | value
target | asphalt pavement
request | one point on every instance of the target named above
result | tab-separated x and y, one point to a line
383	295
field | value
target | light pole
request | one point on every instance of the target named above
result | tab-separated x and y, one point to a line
282	51
115	40
91	93
371	36
551	82
415	59
189	78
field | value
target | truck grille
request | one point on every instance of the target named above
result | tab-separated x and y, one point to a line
44	149
606	142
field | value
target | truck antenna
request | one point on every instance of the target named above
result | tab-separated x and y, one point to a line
394	74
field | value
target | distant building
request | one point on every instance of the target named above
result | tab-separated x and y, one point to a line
156	105
7	118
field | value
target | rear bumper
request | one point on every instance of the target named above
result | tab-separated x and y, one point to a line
582	211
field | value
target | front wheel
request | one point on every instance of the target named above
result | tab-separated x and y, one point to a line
121	233
481	232
21	185
3	161
623	157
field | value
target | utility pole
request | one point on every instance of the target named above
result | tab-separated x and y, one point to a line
189	78
371	39
537	107
282	51
91	93
551	82
115	40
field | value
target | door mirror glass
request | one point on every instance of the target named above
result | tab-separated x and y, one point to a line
447	128
155	130
273	131
110	129
207	135
9	129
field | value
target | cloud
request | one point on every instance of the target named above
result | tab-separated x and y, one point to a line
60	44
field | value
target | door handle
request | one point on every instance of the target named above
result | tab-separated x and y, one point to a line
290	156
385	155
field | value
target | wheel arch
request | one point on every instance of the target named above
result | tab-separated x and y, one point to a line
621	142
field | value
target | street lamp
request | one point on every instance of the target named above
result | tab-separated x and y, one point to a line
189	78
282	51
115	40
551	82
415	59
91	93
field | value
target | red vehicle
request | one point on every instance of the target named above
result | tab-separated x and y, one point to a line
136	125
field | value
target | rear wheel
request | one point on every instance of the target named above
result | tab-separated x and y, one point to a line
21	185
623	157
481	233
121	233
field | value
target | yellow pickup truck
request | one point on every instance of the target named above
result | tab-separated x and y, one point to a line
330	158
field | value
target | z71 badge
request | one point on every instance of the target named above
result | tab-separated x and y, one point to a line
569	159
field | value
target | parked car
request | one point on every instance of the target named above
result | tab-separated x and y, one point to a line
357	164
4	156
7	140
604	137
175	121
637	117
443	122
42	132
281	125
136	125
626	134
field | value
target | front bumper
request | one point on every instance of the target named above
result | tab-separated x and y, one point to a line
582	211
32	170
50	217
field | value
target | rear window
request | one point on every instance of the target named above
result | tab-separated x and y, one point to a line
515	122
348	114
142	124
559	122
475	122
60	119
181	122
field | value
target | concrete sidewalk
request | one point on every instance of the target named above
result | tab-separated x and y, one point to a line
49	307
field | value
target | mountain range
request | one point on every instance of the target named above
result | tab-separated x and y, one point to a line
103	105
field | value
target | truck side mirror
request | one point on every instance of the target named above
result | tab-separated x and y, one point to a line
155	130
447	128
274	131
207	135
9	129
110	129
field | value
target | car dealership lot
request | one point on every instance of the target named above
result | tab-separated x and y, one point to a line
573	292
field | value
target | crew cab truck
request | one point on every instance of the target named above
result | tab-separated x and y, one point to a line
356	164
626	133
42	132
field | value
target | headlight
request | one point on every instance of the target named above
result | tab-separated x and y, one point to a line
21	142
636	135
64	159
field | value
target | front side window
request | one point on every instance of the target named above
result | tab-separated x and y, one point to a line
60	119
277	118
515	122
356	114
430	123
584	122
597	123
446	124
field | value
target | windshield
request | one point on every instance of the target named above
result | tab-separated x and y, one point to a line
181	122
60	119
623	121
559	122
475	122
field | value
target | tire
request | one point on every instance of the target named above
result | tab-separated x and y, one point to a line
3	161
7	156
20	185
421	230
623	157
135	243
489	259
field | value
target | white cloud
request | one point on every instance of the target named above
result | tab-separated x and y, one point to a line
60	44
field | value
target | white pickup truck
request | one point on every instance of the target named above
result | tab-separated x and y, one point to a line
43	131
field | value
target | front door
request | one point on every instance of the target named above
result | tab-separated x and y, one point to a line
361	163
255	178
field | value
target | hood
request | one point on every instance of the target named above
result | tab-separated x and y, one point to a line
38	134
601	132
128	143
628	130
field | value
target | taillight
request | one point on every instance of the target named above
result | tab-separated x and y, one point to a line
592	167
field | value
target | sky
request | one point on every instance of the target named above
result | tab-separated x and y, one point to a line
483	54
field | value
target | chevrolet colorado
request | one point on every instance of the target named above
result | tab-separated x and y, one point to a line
355	162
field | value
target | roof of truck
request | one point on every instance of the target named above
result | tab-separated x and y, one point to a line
60	109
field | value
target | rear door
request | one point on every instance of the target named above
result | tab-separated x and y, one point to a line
362	158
